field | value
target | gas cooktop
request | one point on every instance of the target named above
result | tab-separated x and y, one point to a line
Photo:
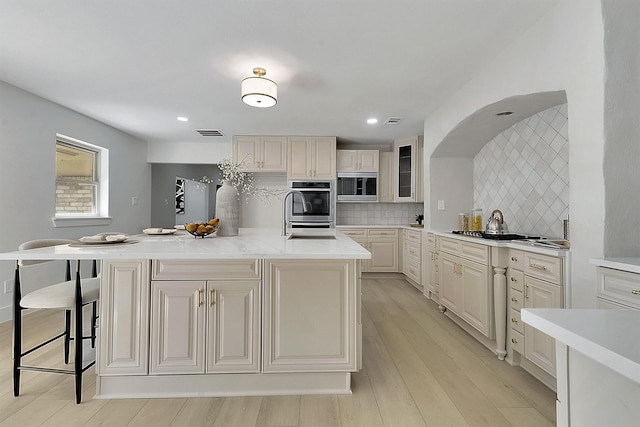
503	236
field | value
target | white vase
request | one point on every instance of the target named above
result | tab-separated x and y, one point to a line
228	210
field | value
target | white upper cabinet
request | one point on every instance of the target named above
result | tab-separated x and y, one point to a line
357	160
386	178
311	158
261	153
408	154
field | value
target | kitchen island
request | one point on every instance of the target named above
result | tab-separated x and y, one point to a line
254	314
598	361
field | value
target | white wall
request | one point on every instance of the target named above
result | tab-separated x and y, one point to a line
28	127
563	51
264	213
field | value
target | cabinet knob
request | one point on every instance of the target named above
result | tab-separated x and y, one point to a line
514	259
514	299
513	340
514	320
513	279
635	291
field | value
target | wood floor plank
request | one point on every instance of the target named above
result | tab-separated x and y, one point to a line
526	417
279	411
319	411
239	412
198	412
434	404
359	409
116	413
157	412
34	414
74	415
394	400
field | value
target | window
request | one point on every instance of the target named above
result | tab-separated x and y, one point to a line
81	182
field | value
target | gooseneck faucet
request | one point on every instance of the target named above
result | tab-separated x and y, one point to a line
284	208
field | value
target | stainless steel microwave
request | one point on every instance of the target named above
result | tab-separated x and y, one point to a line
357	187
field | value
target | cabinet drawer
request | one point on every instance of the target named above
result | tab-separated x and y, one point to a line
413	236
450	245
383	232
516	280
516	299
517	341
413	271
515	321
413	252
190	269
355	232
474	252
619	287
431	240
543	267
516	259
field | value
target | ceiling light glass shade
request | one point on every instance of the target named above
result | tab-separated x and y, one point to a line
258	91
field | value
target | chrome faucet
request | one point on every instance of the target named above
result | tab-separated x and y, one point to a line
284	208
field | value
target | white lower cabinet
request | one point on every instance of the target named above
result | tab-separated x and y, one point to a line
309	312
465	283
535	281
383	245
204	326
431	264
124	320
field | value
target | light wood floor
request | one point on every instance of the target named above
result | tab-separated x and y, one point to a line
420	369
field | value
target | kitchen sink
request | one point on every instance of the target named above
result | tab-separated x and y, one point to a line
309	236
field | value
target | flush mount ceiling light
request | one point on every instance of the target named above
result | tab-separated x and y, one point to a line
258	91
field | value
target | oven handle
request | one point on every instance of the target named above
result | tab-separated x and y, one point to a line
295	224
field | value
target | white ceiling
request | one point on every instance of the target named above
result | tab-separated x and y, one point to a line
137	65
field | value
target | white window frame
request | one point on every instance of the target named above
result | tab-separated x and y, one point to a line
101	216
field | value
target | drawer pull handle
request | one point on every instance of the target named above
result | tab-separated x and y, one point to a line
513	279
635	291
514	320
538	267
212	297
513	340
514	299
514	259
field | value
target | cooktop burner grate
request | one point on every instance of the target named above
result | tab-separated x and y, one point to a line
504	236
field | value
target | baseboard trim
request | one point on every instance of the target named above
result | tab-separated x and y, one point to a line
6	314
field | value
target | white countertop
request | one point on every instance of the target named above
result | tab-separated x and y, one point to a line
250	243
607	336
408	227
631	265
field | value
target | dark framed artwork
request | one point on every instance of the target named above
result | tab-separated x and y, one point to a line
179	195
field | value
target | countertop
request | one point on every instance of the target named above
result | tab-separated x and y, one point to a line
250	243
408	227
606	336
631	265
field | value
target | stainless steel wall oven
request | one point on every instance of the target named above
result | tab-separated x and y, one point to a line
319	209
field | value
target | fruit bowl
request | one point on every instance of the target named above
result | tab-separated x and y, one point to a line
202	229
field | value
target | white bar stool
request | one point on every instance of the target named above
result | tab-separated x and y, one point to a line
70	295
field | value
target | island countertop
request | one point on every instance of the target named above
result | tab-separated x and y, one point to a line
250	243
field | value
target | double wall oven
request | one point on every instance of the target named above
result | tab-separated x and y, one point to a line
317	206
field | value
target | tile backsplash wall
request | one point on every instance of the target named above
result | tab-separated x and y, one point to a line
378	213
524	172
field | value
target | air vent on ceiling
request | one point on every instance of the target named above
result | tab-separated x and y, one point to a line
209	132
393	120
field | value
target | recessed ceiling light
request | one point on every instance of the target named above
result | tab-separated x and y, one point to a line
183	119
372	121
504	113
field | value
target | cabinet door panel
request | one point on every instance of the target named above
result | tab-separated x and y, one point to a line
476	296
346	160
368	160
233	337
177	327
539	347
450	295
386	179
298	160
124	322
384	255
274	154
324	158
310	310
246	149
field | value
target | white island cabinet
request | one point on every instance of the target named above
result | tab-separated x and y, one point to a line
254	314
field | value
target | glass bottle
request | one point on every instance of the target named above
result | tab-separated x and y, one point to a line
476	219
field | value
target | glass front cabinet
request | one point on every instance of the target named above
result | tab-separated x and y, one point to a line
408	160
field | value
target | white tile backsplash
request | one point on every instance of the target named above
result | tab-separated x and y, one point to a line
378	213
531	184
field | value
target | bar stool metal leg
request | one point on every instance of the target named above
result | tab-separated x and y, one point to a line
17	332
78	335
